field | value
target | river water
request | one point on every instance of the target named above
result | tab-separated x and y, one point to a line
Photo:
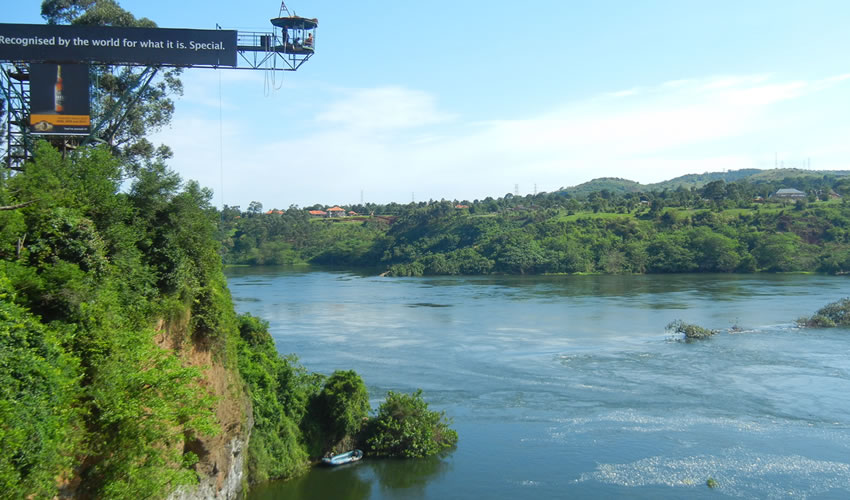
569	386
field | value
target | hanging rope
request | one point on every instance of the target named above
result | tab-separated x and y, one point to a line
270	85
221	143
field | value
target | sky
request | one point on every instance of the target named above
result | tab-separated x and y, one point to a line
466	99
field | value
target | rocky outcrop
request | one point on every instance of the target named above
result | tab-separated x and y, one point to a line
221	458
223	484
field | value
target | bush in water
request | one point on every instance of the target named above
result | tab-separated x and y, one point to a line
404	427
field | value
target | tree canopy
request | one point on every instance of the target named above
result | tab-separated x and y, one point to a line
123	123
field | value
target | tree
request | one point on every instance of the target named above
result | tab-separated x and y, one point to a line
713	252
669	253
123	123
343	404
405	427
255	208
715	191
777	252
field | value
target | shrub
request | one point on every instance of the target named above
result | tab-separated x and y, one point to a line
835	314
404	427
691	332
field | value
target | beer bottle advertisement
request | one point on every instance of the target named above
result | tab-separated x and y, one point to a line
59	102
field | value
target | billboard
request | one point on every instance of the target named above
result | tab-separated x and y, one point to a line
116	45
59	99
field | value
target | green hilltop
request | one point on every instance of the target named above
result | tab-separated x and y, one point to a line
754	175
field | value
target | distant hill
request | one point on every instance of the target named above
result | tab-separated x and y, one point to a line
777	174
613	184
621	186
699	180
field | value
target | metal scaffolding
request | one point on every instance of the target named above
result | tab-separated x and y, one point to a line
286	48
15	83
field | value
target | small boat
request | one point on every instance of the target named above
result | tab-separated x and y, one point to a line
343	458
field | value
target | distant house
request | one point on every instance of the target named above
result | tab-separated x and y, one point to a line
789	194
461	207
278	212
318	213
336	212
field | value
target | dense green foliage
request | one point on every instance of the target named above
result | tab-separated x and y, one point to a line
280	390
834	314
720	227
87	395
37	387
291	237
405	427
343	405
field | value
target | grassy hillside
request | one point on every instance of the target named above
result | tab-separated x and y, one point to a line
689	181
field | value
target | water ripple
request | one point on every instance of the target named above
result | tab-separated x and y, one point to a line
737	472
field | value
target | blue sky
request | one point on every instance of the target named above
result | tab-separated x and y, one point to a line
467	99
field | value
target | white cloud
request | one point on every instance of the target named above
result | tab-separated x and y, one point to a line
392	141
384	108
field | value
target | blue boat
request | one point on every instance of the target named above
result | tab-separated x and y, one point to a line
343	458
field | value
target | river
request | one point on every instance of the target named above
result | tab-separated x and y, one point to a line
570	387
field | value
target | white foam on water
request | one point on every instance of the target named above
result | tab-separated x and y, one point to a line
737	472
634	421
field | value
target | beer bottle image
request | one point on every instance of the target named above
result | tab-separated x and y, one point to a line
58	96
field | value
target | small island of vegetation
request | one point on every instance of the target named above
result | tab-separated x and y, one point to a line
690	331
831	315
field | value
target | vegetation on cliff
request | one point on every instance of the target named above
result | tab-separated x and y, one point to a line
280	390
113	307
87	394
104	294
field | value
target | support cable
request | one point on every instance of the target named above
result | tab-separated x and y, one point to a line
221	143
